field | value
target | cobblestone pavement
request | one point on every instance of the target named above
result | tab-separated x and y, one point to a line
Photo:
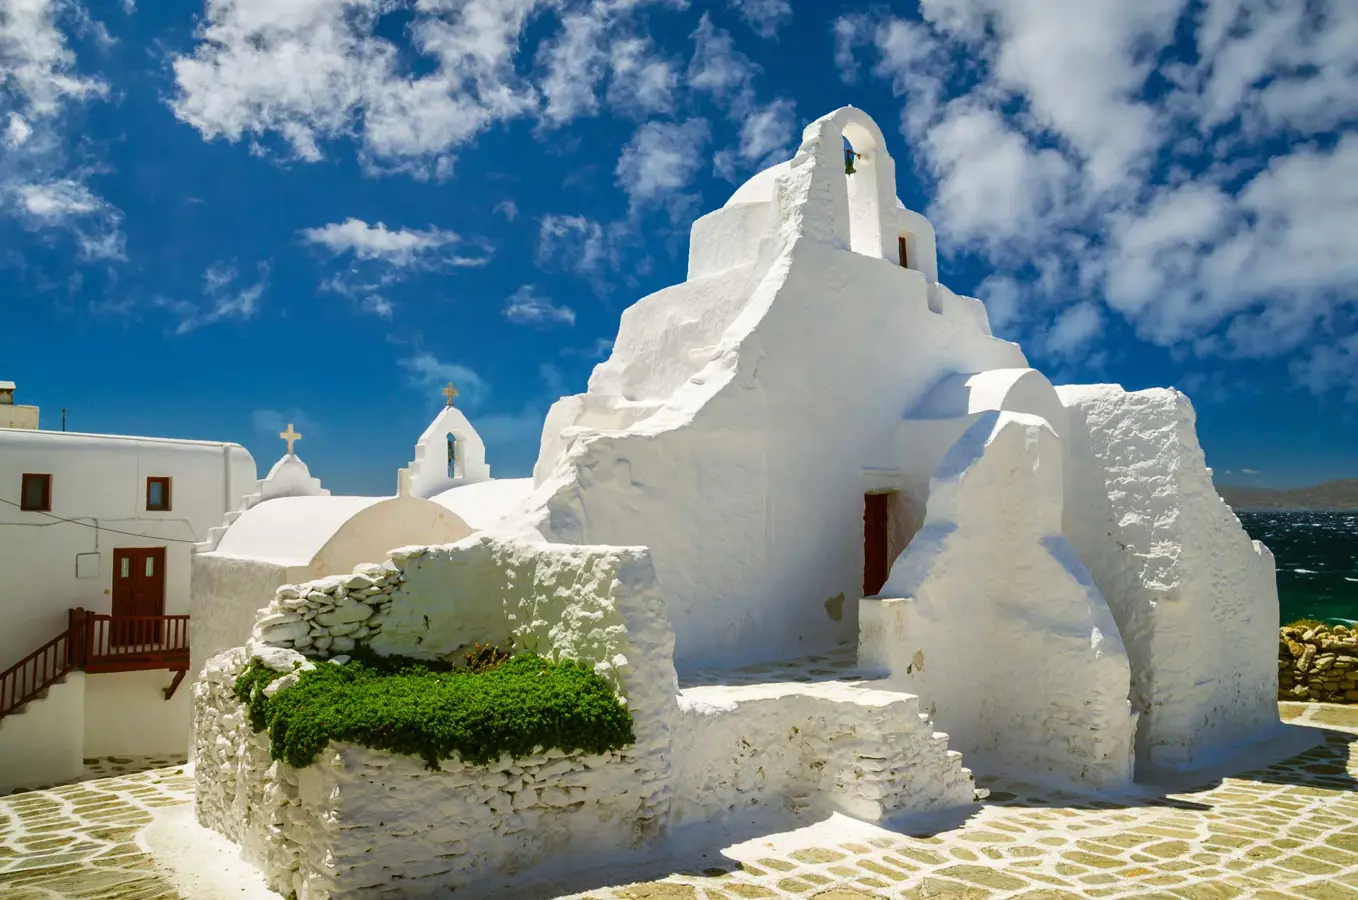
1286	831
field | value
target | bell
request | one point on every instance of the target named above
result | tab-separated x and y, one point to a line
848	162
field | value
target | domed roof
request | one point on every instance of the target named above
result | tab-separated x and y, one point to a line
760	188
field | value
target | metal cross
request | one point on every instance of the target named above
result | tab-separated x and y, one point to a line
290	436
450	392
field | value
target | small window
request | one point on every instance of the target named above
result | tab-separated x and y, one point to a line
158	494
125	570
36	493
150	567
903	252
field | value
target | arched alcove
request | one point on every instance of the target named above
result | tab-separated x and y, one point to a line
452	455
864	189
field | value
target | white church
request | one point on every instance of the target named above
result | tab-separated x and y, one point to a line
837	546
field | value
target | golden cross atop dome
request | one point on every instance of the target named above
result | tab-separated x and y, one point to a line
290	436
450	392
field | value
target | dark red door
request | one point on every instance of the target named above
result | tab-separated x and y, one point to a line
138	590
876	516
900	245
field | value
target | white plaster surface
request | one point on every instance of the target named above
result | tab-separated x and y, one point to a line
484	503
42	745
1195	599
992	619
126	714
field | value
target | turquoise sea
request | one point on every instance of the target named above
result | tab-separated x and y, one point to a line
1317	556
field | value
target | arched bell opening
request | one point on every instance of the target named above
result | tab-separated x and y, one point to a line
863	159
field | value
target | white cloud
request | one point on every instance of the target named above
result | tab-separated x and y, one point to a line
225	296
764	16
310	72
572	242
401	247
660	162
508	208
527	307
643	83
41	86
429	373
766	130
1205	197
270	423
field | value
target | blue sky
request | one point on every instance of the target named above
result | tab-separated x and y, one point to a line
218	218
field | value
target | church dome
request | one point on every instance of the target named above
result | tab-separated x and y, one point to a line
761	188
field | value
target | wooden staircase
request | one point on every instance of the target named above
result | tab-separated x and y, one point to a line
96	643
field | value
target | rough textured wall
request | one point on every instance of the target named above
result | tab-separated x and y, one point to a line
766	752
225	599
1318	663
363	824
1195	599
994	622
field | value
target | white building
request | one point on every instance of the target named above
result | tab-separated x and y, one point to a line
304	533
106	523
832	541
12	415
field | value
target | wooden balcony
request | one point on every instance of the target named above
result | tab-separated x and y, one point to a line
97	643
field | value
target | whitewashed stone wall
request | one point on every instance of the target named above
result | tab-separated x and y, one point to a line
1195	599
600	606
359	823
991	618
762	752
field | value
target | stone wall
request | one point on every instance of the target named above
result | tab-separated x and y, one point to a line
359	823
1318	663
767	752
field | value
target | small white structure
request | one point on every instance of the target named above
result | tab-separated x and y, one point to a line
808	512
291	530
12	415
106	523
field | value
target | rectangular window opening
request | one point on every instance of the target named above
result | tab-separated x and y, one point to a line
158	494
35	493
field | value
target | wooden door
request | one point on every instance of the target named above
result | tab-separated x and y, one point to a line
904	257
138	590
876	519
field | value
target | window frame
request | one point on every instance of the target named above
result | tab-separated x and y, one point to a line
166	483
46	478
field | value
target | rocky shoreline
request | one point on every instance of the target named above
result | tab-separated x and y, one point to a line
1318	662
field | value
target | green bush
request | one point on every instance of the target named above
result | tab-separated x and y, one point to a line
435	711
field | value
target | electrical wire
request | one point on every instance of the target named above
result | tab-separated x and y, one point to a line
96	526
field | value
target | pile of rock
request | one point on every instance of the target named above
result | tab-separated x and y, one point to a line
334	614
1318	663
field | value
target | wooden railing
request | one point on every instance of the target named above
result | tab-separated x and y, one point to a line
35	673
99	643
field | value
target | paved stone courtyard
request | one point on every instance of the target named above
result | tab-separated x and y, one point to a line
1286	831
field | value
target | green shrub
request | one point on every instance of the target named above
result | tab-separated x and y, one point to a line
432	710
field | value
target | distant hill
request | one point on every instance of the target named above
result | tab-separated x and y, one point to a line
1341	494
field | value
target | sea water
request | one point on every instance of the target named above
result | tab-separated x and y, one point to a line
1317	557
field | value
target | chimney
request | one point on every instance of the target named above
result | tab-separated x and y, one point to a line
12	416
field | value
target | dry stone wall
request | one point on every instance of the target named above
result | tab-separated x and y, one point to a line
359	823
1318	662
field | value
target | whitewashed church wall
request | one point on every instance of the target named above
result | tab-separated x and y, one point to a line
1195	598
731	237
746	487
991	618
